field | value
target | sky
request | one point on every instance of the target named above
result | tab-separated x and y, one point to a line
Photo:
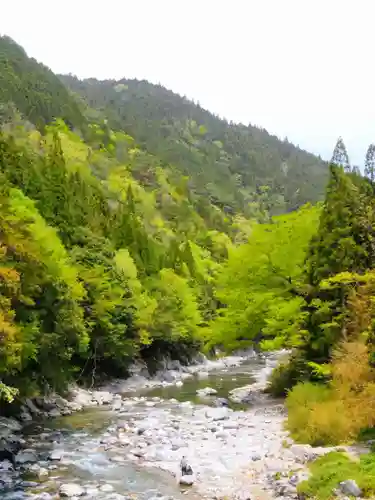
301	69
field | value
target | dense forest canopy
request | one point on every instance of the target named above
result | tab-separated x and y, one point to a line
33	89
234	165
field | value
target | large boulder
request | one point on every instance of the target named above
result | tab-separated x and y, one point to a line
248	394
186	480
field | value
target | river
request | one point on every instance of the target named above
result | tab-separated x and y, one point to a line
132	450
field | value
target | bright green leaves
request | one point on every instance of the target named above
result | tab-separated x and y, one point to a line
46	323
261	287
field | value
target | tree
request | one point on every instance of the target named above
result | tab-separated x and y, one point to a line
340	156
344	243
261	286
370	163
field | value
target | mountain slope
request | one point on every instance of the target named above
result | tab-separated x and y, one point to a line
234	165
33	89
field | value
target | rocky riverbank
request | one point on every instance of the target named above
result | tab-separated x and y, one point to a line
243	454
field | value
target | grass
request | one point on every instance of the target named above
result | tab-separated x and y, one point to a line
329	470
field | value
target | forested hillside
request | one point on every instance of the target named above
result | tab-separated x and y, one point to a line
107	254
234	165
32	89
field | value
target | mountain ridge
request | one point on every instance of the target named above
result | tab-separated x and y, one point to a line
238	159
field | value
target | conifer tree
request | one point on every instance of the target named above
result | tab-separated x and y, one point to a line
340	155
343	244
370	163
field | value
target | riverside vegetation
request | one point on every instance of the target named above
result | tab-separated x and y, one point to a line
135	224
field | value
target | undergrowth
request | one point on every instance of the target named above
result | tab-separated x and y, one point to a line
335	413
329	470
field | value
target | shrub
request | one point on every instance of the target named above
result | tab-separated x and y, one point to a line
301	403
335	413
284	376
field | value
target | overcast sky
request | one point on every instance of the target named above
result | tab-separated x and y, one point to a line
299	68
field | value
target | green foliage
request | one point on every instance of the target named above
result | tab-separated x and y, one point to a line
261	286
328	471
286	375
176	315
341	251
32	89
97	269
235	167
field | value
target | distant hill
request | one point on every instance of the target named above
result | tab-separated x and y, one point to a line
234	165
237	168
32	89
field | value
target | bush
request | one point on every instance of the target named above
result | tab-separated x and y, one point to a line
285	376
302	402
335	413
328	471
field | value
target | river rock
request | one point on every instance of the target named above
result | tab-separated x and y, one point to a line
173	364
24	414
217	414
186	480
8	426
45	404
71	490
102	397
55	413
168	376
117	405
248	394
92	492
219	402
206	391
38	471
80	398
350	487
32	408
56	455
106	488
26	456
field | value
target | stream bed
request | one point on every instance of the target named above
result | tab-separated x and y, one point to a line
131	449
